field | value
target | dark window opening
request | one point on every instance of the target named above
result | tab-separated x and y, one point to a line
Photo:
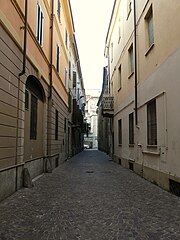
65	125
131	166
26	100
57	162
33	122
131	128
120	131
56	125
151	123
174	187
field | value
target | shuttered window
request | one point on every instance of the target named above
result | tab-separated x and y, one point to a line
120	131
39	24
150	30
150	27
131	59
151	123
59	9
119	77
131	128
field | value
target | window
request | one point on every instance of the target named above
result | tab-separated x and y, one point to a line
26	99
69	101
74	79
150	27
59	9
151	123
119	31
119	78
111	52
33	121
66	39
56	125
65	125
57	58
65	77
131	59
69	70
129	7
39	24
131	128
120	131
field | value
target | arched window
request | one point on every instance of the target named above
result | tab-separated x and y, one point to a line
34	93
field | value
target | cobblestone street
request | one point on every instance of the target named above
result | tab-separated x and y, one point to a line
90	197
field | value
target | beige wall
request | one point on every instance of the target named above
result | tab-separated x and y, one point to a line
158	77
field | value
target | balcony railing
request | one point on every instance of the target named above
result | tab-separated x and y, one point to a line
108	106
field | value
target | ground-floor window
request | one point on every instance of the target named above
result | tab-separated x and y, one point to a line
151	123
120	131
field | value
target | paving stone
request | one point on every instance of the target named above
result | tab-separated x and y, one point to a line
90	198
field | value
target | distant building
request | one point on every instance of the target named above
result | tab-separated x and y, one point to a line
91	120
143	51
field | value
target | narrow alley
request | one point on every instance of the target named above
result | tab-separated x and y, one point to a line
90	197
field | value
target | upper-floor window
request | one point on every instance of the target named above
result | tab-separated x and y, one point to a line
151	123
131	59
150	27
129	7
74	79
119	77
66	38
112	52
119	30
69	70
59	9
39	24
65	77
57	58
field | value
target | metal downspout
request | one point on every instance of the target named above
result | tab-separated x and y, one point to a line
50	80
135	63
51	49
25	39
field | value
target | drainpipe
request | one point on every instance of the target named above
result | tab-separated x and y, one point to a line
135	63
50	79
25	39
51	49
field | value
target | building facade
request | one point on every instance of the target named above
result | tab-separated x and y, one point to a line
104	121
91	120
37	48
143	51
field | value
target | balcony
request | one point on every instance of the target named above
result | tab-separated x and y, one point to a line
108	106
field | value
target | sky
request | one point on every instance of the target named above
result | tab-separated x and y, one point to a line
91	20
